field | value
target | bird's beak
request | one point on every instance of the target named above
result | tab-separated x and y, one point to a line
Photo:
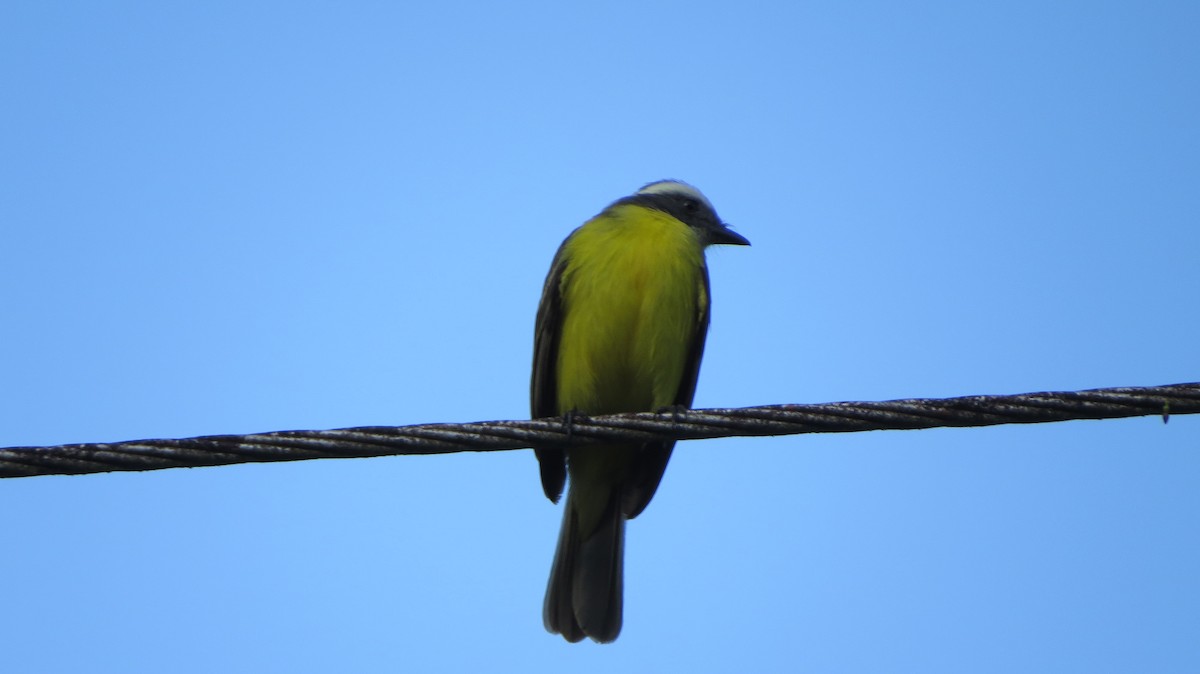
727	237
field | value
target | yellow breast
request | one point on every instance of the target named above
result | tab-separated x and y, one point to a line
632	293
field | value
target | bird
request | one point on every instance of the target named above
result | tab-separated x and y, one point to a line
620	328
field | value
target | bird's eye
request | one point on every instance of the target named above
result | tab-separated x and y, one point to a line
691	205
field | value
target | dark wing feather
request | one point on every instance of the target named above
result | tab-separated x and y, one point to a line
543	387
691	367
652	461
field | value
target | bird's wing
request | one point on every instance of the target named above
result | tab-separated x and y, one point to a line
543	388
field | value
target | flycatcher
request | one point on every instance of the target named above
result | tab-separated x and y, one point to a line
620	328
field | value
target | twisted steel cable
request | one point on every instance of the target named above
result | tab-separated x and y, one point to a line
843	417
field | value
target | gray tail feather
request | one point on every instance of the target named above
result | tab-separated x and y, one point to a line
583	597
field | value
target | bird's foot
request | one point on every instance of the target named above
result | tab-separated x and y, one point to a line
569	420
676	411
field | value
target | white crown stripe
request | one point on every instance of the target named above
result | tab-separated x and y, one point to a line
675	187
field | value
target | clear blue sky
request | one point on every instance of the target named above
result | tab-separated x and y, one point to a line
236	217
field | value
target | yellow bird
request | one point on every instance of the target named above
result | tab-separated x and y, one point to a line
620	328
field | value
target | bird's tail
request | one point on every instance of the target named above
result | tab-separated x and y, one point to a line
583	597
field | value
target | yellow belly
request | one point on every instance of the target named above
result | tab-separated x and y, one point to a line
632	294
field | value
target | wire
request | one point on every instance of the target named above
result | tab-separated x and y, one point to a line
680	424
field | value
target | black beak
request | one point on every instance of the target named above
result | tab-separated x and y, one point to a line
723	236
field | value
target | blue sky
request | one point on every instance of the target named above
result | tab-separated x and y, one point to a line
228	218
